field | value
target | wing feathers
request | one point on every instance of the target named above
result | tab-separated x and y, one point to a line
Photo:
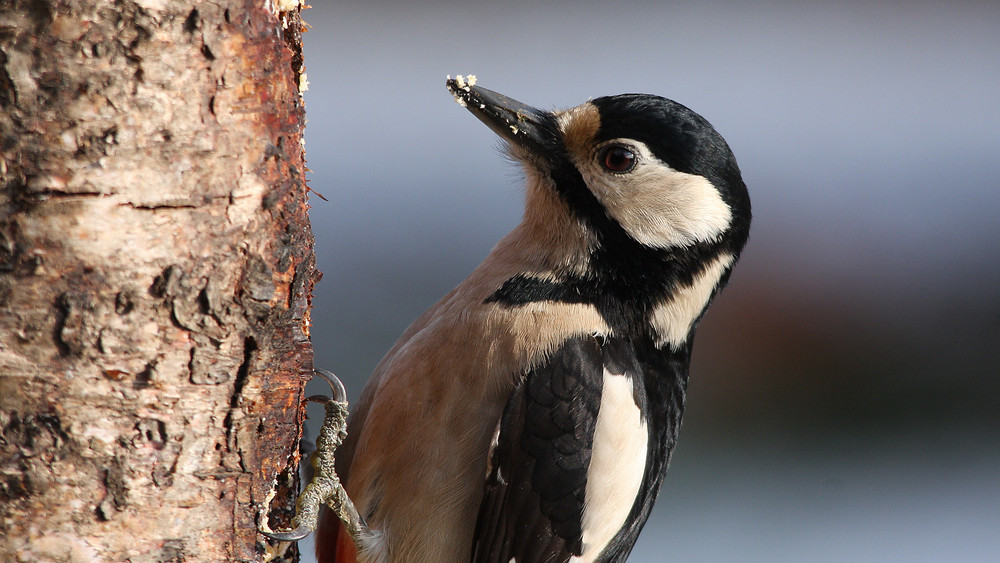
534	500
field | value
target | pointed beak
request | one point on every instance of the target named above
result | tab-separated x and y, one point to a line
519	124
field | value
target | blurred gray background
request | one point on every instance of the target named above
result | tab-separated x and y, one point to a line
844	402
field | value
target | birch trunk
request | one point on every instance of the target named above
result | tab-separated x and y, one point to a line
156	265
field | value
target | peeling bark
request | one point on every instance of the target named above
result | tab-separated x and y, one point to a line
156	265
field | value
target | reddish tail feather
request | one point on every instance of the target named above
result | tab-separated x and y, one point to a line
333	544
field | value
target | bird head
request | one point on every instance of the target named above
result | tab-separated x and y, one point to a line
641	194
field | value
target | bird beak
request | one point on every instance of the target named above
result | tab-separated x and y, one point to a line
517	123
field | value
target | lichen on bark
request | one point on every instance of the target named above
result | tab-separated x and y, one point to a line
156	265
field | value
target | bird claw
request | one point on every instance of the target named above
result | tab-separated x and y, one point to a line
296	534
339	393
325	487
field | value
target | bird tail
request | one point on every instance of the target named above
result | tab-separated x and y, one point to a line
333	544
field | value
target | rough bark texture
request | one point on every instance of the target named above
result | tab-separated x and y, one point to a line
156	265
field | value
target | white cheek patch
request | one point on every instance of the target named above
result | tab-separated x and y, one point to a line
673	319
657	205
617	466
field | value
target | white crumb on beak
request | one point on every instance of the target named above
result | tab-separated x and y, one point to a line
465	82
514	129
454	91
462	82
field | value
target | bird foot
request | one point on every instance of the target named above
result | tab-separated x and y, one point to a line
325	487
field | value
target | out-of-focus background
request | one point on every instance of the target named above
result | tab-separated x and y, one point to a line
844	402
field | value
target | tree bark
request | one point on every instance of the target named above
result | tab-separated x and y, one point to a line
156	264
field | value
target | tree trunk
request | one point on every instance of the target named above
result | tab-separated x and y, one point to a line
156	265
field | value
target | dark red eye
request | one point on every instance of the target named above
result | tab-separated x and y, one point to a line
618	159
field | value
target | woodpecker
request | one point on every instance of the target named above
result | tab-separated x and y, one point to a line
530	415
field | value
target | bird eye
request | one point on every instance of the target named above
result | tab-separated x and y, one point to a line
618	159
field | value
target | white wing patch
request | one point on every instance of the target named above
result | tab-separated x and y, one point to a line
673	319
617	466
494	442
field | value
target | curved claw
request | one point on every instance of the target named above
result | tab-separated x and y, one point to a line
291	535
339	393
325	488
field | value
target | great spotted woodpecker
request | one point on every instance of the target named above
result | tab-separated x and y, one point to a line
530	415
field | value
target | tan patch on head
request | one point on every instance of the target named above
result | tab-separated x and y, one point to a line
579	127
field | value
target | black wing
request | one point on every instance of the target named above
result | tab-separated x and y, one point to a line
533	504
